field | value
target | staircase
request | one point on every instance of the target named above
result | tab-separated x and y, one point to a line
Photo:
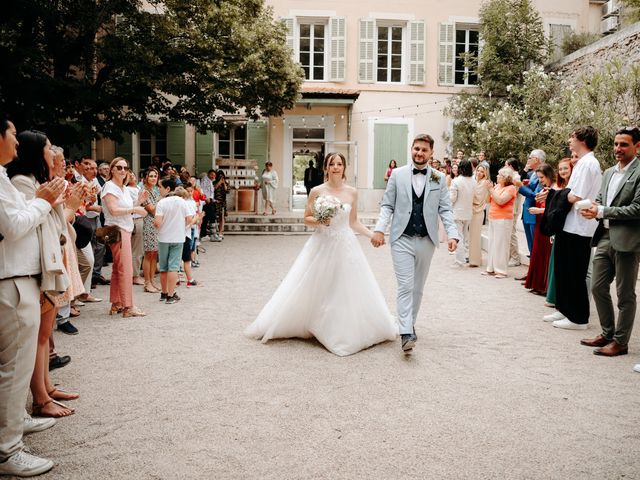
288	223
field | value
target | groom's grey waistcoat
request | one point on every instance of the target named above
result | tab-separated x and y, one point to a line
416	226
397	204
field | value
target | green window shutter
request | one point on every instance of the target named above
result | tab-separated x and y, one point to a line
204	151
124	148
258	142
389	143
176	142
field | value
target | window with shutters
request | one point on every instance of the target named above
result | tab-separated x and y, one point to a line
389	53
467	47
312	49
232	142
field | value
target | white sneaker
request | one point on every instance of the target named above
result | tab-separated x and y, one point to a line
32	425
552	317
514	263
23	464
636	368
569	325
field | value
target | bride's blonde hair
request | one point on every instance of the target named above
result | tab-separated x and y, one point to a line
328	159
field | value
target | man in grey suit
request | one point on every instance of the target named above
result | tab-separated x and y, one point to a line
415	197
617	208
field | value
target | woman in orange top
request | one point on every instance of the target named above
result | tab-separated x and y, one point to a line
502	198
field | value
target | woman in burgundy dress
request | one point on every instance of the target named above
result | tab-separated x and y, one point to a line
541	251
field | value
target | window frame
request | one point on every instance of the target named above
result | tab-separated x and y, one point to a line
404	55
467	28
232	141
326	64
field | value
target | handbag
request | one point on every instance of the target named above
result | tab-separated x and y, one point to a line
84	230
108	235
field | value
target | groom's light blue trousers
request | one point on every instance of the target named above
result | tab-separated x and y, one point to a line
411	260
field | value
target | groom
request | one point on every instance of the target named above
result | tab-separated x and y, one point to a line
415	196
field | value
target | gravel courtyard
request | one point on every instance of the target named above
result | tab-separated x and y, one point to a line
491	390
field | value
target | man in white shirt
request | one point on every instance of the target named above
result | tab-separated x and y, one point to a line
19	309
573	245
617	242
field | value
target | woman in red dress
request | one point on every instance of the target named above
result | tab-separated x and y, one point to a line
541	252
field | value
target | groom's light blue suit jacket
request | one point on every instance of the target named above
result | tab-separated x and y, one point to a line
398	202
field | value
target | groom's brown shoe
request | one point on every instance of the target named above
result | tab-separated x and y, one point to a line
599	341
612	350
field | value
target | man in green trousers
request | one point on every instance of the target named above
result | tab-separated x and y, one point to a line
617	242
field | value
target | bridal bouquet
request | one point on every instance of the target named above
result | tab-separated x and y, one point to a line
325	207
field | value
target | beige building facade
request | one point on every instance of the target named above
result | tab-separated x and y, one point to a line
377	73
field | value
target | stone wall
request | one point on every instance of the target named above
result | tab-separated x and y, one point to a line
624	45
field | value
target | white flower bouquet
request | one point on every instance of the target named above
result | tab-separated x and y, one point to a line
325	207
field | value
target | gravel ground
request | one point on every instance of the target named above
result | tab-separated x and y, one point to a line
491	391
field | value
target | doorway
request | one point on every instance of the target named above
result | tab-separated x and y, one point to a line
308	146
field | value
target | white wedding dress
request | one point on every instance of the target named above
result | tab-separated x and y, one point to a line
330	293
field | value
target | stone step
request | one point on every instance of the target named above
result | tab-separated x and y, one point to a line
274	228
270	220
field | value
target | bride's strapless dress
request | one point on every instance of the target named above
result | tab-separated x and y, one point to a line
330	293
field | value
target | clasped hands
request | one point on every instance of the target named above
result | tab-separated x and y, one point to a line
377	240
591	212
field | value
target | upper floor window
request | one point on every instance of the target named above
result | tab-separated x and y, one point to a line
467	46
389	54
312	48
391	51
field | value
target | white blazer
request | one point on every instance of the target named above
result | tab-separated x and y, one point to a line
462	191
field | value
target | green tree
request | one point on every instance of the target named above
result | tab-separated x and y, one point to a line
87	68
513	36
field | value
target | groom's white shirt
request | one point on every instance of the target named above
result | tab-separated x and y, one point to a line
397	203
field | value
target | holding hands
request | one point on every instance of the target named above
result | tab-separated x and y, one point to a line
377	240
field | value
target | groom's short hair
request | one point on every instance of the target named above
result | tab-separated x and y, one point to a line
423	137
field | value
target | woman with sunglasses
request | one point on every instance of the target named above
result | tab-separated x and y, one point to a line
118	208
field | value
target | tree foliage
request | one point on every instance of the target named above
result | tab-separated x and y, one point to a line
575	41
84	68
513	40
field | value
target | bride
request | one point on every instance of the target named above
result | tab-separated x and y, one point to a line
330	292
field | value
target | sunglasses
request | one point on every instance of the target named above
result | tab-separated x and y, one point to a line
120	168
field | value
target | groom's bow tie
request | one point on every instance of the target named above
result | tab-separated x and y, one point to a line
423	171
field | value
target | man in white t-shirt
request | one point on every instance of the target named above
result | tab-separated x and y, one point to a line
572	251
171	220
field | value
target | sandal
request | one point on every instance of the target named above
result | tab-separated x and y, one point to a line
37	410
115	309
133	312
57	394
150	288
74	312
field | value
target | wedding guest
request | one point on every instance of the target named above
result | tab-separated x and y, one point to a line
269	187
562	179
480	199
209	207
617	242
221	189
19	309
118	210
390	168
452	174
462	192
33	167
171	219
149	231
309	177
573	243
103	173
188	245
529	188
137	247
538	272
502	198
514	248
